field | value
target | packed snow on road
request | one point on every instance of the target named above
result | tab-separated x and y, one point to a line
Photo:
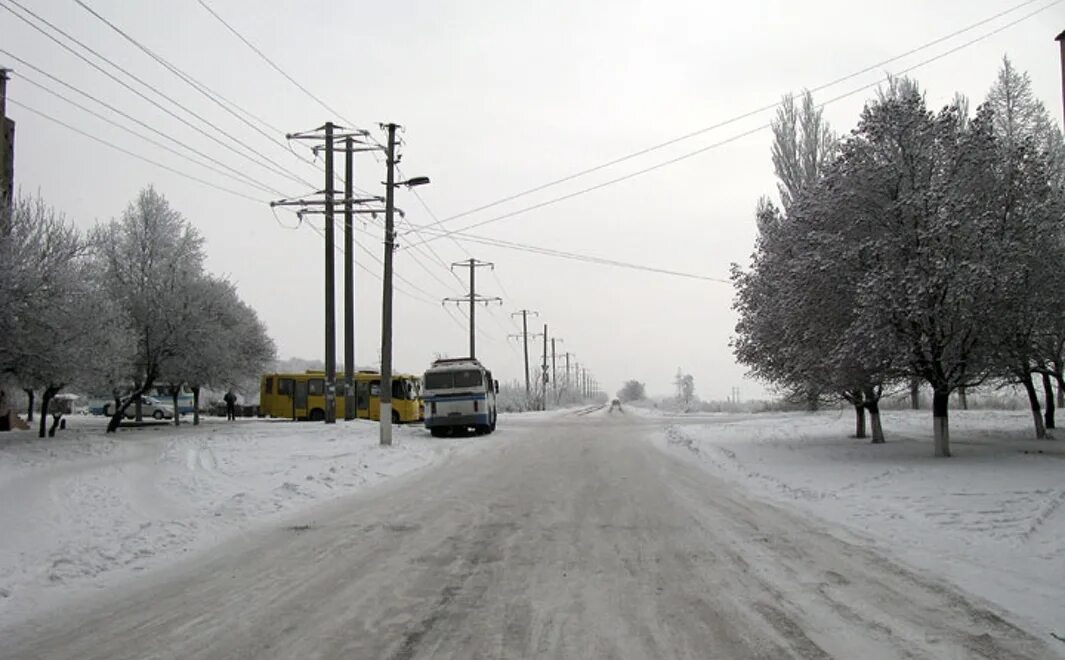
88	511
990	519
85	510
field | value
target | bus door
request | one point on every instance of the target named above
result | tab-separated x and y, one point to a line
362	399
299	399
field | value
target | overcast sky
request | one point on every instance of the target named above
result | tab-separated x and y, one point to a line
497	98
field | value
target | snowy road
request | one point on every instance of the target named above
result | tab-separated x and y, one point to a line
572	537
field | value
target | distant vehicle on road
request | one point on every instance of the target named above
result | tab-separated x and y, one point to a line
302	396
459	394
150	407
616	403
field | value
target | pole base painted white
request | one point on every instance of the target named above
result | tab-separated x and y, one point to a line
386	424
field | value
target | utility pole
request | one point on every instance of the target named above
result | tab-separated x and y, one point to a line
543	385
1061	41
385	415
349	281
472	298
525	344
7	153
554	371
565	385
327	134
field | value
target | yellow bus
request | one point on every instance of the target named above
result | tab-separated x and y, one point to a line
302	396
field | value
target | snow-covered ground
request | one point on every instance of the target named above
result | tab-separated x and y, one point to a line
991	519
84	509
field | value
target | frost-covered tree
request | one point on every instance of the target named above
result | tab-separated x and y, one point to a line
151	258
56	327
632	390
222	344
685	384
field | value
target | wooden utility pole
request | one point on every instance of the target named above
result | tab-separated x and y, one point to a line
525	345
472	298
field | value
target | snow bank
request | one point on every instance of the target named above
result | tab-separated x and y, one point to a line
85	509
991	519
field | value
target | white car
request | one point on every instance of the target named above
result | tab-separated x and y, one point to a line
150	407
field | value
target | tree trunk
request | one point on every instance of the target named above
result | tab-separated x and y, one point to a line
46	398
1033	401
963	400
195	405
1061	392
915	394
812	400
859	420
29	407
871	396
940	421
1048	389
54	426
174	395
116	417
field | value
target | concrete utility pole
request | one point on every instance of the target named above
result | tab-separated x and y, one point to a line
7	147
544	404
330	286
472	298
565	384
386	292
1061	41
327	134
525	344
349	280
554	371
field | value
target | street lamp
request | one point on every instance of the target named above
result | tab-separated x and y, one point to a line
385	414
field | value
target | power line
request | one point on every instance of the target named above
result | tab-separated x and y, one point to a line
269	164
275	66
133	119
732	120
212	95
130	153
731	139
156	143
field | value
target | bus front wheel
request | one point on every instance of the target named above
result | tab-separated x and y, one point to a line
395	417
439	431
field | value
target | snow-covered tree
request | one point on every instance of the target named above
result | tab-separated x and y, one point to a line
685	384
632	390
152	258
222	343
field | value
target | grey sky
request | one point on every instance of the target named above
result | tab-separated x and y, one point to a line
498	97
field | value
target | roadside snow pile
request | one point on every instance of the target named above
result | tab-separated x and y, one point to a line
84	508
991	519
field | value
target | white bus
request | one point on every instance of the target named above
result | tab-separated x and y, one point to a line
459	394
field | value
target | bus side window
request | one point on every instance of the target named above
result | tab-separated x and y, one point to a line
284	386
269	384
316	387
375	388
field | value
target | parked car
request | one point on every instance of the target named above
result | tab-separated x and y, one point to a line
150	407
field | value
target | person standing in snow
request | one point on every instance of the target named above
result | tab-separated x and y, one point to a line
231	405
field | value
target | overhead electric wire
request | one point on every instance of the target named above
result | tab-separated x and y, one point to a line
133	119
733	138
156	143
275	66
217	98
135	155
731	120
269	164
